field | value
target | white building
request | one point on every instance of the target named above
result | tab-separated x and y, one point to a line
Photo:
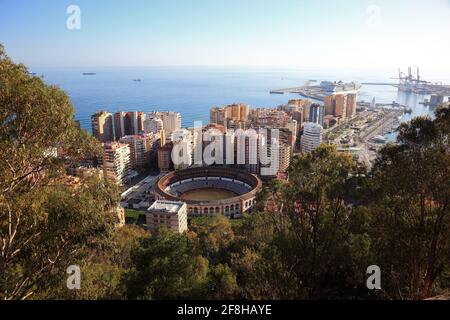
140	148
116	162
312	136
153	124
169	214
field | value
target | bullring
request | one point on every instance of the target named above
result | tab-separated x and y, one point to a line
210	191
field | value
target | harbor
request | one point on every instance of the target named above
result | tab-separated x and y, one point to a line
319	92
364	134
415	84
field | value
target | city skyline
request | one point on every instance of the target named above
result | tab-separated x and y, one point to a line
226	151
353	34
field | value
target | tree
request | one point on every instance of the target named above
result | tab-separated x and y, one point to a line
165	268
223	284
45	221
212	237
410	192
326	230
257	259
314	245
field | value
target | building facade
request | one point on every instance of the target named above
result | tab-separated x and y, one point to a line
229	116
116	162
153	124
165	158
284	158
312	137
316	113
128	123
328	102
169	214
351	105
171	122
340	106
141	147
102	126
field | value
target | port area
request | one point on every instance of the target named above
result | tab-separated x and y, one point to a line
319	93
363	135
423	89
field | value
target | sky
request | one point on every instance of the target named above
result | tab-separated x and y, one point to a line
253	33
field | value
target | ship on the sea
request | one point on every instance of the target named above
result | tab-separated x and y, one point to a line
325	88
339	86
276	92
89	73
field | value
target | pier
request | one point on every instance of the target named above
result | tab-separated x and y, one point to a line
379	84
318	92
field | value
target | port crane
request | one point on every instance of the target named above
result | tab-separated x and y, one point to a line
409	77
410	83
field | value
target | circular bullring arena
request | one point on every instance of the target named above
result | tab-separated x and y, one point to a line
210	191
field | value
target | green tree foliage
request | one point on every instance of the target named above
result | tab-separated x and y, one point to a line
103	268
322	222
45	223
307	249
165	268
223	283
212	237
261	266
410	194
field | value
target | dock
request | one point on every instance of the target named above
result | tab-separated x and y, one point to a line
312	92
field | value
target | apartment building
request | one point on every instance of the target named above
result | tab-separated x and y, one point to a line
169	214
116	162
141	147
102	126
312	137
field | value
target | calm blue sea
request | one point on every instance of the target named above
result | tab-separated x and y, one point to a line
193	91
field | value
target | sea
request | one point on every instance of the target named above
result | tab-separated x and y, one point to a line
192	91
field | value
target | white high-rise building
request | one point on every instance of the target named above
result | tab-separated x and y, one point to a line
312	136
141	147
116	162
153	124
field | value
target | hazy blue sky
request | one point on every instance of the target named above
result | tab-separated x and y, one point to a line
277	33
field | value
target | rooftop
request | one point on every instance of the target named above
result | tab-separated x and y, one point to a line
141	136
166	206
114	145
